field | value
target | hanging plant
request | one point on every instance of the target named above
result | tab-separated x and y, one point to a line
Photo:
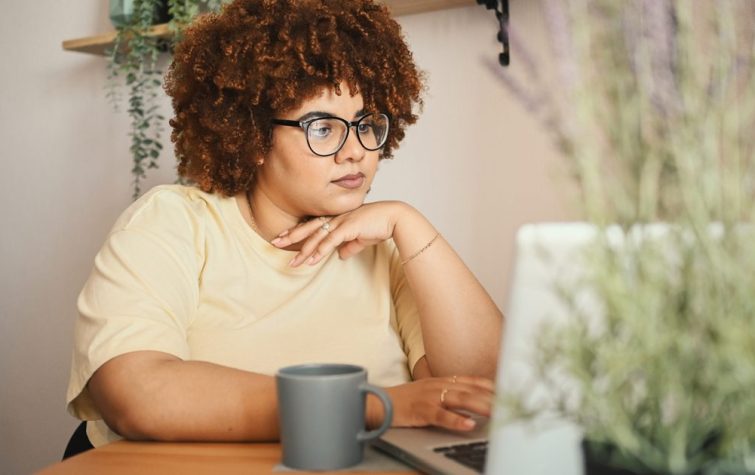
134	59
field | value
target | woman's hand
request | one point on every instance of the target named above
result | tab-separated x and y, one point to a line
436	402
350	232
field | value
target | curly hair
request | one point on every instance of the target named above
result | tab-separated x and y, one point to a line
236	70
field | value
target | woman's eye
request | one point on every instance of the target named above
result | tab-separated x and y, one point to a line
319	130
365	128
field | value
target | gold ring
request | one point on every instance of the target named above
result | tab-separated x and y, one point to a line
443	396
326	226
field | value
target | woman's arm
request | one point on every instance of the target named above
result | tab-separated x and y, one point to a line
149	395
461	324
156	396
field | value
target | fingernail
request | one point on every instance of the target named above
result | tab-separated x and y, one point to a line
292	262
275	241
311	260
469	423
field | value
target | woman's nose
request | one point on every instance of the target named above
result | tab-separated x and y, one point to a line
352	149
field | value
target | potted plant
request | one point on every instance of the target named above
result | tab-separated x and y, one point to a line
134	58
655	113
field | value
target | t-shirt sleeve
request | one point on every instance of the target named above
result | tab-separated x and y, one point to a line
141	293
407	314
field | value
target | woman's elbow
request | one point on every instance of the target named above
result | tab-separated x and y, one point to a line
131	423
120	391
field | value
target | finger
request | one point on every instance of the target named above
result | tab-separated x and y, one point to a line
337	237
298	233
313	250
351	248
477	403
482	383
464	386
452	420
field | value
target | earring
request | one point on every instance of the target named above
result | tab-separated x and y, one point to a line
260	162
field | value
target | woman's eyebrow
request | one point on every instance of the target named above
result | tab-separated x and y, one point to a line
318	114
314	115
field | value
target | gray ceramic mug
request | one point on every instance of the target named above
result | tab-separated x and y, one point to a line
321	412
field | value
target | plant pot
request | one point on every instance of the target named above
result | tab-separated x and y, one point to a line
594	466
121	12
600	459
605	459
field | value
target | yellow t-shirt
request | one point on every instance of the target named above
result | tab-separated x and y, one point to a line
181	272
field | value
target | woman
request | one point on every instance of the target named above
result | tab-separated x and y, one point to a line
282	111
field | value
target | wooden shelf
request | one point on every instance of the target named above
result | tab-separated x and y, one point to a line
101	43
407	7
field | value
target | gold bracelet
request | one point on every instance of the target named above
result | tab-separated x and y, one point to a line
421	250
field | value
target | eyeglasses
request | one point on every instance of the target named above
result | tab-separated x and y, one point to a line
326	135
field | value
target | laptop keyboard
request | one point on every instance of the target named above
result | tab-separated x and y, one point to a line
471	455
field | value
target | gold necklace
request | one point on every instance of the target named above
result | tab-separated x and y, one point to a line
251	214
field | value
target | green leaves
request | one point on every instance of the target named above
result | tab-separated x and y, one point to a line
659	128
133	60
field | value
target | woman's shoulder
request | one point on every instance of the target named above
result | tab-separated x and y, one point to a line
169	206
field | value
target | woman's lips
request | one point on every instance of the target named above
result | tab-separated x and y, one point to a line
350	181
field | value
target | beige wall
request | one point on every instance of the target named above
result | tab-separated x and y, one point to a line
476	164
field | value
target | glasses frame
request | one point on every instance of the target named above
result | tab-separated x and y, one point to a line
304	125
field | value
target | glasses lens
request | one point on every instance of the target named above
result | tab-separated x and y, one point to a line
325	136
372	131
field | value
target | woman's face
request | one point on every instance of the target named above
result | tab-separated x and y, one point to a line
301	183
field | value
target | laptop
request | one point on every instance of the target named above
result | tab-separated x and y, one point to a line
546	254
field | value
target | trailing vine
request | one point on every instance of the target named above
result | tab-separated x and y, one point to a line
134	59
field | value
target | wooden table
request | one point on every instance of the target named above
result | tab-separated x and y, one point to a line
161	458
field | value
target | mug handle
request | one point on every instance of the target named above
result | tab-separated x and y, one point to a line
387	405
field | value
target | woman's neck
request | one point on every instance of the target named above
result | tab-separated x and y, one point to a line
265	218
